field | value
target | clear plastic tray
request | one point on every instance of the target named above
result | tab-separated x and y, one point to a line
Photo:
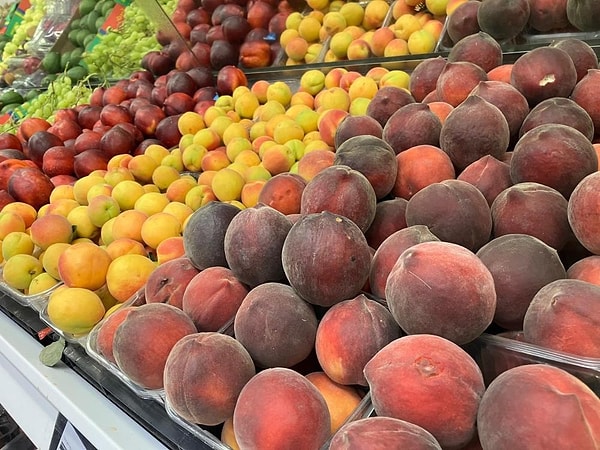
90	345
35	302
42	308
496	354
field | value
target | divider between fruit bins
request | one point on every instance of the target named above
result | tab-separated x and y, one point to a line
90	343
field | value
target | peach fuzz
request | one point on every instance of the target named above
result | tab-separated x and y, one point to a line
283	192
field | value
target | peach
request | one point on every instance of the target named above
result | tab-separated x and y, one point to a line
253	243
426	294
543	73
558	110
457	80
466	140
204	234
420	166
461	213
167	283
479	48
352	126
412	124
389	251
386	432
141	363
277	333
348	336
521	265
335	267
534	209
500	73
525	395
389	217
488	174
508	100
461	20
583	55
387	101
106	332
565	301
212	297
206	391
378	167
350	194
341	400
504	20
563	152
277	393
428	381
423	79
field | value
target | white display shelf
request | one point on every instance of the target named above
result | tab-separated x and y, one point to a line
33	394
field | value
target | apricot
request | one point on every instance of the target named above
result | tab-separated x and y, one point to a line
212	297
293	413
138	352
203	376
371	156
342	190
275	325
420	166
564	315
383	432
334	267
520	265
390	250
538	406
428	381
454	210
556	155
426	292
349	334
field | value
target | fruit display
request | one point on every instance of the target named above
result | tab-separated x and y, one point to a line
336	246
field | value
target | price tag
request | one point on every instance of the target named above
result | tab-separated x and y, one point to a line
66	436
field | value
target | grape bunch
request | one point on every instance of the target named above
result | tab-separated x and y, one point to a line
62	93
24	31
119	52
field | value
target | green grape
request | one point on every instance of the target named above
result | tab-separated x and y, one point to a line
32	17
119	52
